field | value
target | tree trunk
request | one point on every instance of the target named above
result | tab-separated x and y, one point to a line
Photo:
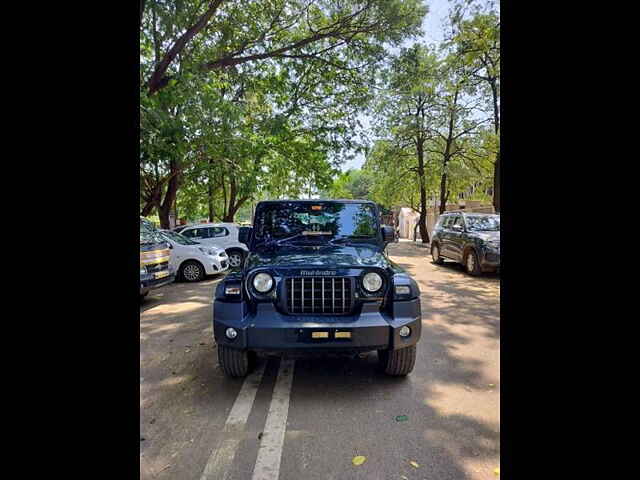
424	234
147	209
496	183
210	192
496	169
141	13
152	201
169	197
443	193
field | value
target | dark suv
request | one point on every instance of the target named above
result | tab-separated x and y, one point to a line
472	239
317	280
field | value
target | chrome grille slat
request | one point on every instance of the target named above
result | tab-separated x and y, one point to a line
312	297
333	294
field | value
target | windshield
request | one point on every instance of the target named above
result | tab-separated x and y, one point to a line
149	235
483	223
180	239
316	220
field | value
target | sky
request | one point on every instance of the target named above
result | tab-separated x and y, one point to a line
432	27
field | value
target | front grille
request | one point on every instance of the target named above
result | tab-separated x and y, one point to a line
158	267
319	295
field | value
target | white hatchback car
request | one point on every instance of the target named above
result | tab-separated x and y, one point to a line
222	235
192	261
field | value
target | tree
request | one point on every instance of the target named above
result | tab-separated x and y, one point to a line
218	34
411	83
477	41
353	184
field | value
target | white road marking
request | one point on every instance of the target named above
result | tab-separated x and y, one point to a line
270	452
221	458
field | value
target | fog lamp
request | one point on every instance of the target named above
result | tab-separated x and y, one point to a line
405	331
231	333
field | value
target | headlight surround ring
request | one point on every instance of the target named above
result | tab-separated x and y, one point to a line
263	283
372	282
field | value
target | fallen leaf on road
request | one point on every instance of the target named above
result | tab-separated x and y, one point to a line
359	460
496	471
414	464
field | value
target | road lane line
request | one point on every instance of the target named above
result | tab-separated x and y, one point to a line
270	452
221	458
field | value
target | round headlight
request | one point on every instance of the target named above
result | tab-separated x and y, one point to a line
263	282
372	282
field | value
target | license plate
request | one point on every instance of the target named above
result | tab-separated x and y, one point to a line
161	274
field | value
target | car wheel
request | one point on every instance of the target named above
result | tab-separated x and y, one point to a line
435	254
471	263
236	258
234	362
397	362
192	271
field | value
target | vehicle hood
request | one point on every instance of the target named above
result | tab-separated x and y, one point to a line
326	256
487	236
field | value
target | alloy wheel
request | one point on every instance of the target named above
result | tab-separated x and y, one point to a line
235	259
191	272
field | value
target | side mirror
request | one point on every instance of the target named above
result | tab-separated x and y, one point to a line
388	234
244	235
169	246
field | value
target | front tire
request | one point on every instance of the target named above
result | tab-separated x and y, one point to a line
234	362
435	254
471	263
236	257
397	362
192	271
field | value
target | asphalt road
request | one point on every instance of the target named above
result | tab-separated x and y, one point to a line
307	418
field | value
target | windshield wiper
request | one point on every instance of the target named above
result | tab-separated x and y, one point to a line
347	238
304	233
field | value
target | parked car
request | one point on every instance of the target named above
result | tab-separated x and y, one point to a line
472	239
155	257
317	279
179	228
223	235
193	261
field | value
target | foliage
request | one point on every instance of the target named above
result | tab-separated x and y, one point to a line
260	98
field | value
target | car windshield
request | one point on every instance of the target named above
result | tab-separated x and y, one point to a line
148	235
322	220
488	223
180	239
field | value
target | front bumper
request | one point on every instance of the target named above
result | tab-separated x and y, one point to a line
217	264
490	260
148	283
269	330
